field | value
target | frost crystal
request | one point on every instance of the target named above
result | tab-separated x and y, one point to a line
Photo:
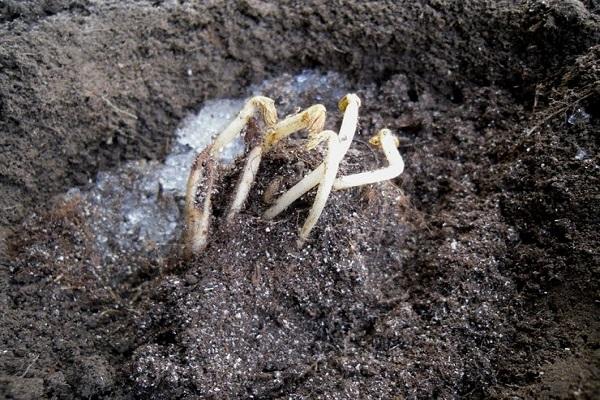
579	117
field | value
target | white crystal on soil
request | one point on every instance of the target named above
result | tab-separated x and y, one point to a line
579	117
197	131
173	175
581	154
194	134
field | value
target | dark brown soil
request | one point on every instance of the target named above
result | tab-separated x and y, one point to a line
475	274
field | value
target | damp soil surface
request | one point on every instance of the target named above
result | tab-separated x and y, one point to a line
472	275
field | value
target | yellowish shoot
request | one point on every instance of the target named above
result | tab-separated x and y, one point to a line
349	106
389	144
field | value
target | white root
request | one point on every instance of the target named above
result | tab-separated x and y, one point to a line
312	119
261	104
201	180
330	165
389	145
349	105
198	211
245	183
205	169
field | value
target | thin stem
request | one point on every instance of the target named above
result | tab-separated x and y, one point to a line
312	119
198	207
349	106
389	144
261	104
245	183
331	165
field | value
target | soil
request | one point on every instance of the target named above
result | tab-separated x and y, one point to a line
473	275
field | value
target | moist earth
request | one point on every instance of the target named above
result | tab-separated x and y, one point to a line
472	275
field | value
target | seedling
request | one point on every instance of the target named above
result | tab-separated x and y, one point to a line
349	106
389	144
206	167
325	174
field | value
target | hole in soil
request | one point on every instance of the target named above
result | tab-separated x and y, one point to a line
413	95
457	96
166	337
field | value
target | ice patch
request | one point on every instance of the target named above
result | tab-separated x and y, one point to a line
194	134
197	131
126	211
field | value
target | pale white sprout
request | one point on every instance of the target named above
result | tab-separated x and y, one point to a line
349	106
389	144
205	169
